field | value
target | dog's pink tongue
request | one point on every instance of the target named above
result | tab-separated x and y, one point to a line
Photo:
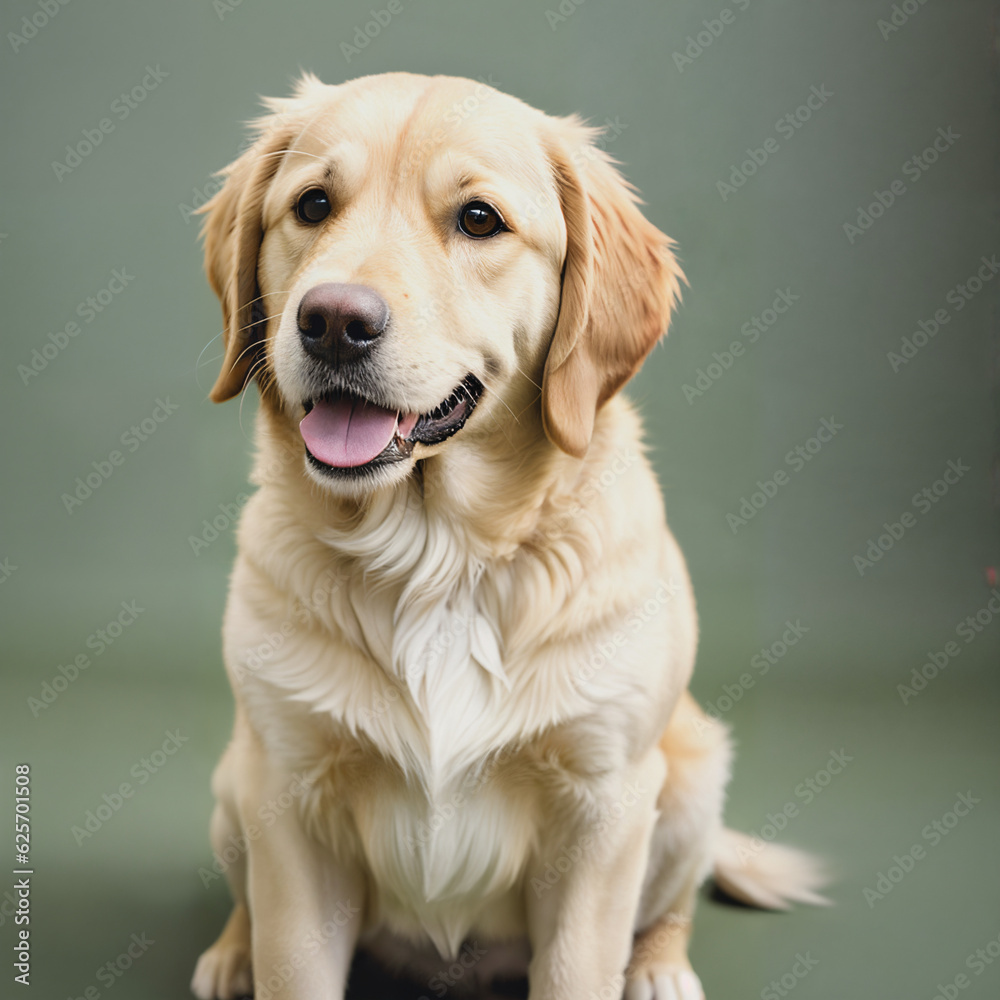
347	432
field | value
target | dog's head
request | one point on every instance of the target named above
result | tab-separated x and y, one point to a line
403	259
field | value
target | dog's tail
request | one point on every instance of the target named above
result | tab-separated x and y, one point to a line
766	875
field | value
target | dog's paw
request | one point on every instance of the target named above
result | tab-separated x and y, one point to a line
223	973
664	982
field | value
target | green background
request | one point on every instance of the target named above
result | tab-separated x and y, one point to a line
679	131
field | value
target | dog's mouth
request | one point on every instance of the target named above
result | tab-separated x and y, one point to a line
348	434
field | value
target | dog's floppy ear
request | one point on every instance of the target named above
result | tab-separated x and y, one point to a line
620	283
232	232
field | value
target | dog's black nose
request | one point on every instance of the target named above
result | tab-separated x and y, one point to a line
339	323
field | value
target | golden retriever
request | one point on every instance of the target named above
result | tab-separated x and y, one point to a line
459	632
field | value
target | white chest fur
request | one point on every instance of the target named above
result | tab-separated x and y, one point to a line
438	864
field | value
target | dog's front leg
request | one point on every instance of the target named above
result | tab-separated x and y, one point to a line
583	892
305	906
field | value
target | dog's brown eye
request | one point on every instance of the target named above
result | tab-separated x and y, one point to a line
313	206
480	220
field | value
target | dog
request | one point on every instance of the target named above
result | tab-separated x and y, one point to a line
459	633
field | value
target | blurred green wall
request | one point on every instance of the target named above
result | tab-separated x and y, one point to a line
755	137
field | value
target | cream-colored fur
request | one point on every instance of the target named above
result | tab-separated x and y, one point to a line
460	684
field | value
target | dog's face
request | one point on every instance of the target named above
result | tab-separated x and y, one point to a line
405	259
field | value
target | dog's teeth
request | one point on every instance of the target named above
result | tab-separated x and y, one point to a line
462	394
